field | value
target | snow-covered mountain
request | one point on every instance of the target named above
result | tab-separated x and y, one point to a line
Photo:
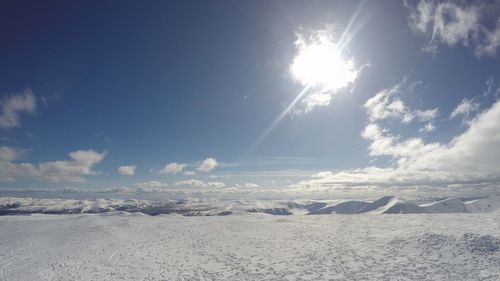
207	207
449	205
483	205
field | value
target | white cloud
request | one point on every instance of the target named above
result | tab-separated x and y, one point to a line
464	108
9	154
127	170
207	165
198	183
172	168
189	173
445	23
473	152
81	164
429	127
151	184
250	185
422	16
323	174
456	23
387	104
469	158
114	189
492	41
13	106
216	184
426	115
314	100
491	88
246	185
384	143
190	182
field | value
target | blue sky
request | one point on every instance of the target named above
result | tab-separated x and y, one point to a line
197	84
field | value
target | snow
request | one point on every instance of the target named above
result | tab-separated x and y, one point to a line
250	246
380	203
449	205
400	206
484	205
211	207
395	205
348	207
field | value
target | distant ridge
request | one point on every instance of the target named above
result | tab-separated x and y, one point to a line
377	204
200	207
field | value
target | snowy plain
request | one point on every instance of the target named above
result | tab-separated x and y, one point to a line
119	245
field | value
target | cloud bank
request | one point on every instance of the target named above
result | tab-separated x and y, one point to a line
469	158
81	163
199	183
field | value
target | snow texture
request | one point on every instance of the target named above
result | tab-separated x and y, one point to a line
252	246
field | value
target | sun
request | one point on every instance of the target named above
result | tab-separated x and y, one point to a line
321	69
319	63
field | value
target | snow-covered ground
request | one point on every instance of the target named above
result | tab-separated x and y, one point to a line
250	246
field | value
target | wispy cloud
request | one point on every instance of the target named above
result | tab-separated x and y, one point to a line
492	41
151	184
13	106
247	185
429	127
465	108
457	23
492	89
199	183
388	104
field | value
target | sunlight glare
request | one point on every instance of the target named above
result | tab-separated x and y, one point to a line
319	63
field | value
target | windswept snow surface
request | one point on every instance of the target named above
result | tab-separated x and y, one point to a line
203	239
250	246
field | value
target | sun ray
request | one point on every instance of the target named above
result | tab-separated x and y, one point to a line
347	35
319	64
280	117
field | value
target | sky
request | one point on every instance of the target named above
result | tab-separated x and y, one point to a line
306	98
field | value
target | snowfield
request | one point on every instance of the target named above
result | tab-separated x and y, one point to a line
251	246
